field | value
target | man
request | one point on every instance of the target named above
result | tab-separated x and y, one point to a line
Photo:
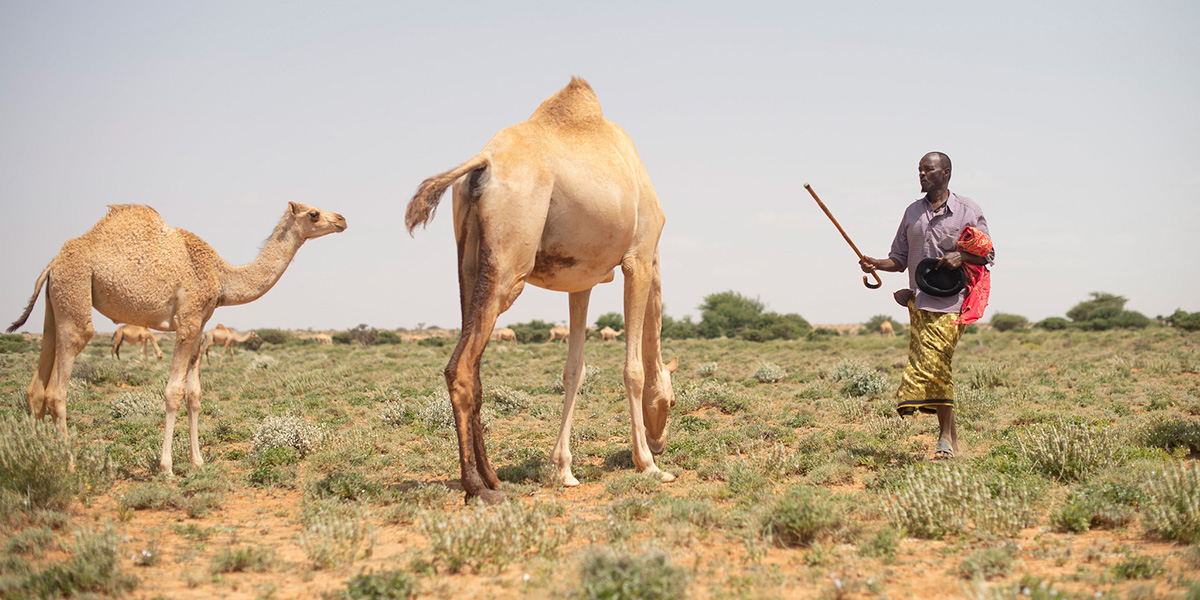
930	229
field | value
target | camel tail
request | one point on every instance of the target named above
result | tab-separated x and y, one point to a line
37	291
424	202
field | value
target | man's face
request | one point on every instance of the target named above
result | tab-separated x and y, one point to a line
932	175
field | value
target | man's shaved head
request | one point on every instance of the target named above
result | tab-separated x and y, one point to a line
944	160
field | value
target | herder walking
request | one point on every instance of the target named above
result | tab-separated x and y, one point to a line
944	243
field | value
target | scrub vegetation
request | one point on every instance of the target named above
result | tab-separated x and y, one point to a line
331	471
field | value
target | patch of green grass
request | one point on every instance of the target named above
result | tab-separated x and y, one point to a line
1138	567
381	585
336	533
91	569
1172	509
490	537
989	563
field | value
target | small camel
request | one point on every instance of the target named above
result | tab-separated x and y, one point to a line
134	268
608	333
885	328
132	334
506	335
224	337
558	201
559	333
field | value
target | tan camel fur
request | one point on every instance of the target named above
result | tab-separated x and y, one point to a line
559	333
558	201
506	335
132	334
608	333
224	337
134	268
885	328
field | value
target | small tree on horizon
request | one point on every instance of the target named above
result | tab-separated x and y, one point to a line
613	319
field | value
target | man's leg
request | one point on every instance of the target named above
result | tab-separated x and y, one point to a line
948	431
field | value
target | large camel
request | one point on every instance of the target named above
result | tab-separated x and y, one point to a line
608	333
559	333
558	201
224	337
132	334
134	268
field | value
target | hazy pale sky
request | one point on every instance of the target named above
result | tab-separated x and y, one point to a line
1074	125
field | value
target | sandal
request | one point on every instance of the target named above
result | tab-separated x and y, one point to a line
944	451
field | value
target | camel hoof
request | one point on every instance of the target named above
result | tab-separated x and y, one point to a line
569	480
489	497
662	476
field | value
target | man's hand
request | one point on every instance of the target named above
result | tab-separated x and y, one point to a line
868	264
952	260
903	296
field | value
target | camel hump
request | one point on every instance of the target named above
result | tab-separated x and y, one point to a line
131	209
574	104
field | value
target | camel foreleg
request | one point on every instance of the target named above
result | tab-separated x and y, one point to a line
638	283
572	381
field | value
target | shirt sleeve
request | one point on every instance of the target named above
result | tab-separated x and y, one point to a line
899	252
981	224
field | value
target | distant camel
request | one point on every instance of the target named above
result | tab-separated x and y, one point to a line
885	328
607	334
506	335
132	334
224	337
320	338
559	333
558	201
134	268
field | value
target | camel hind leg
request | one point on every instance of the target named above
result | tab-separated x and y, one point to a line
69	316
36	394
116	347
639	281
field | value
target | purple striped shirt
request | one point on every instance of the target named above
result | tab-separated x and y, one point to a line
926	233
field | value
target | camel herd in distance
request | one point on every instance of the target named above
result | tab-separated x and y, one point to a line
226	338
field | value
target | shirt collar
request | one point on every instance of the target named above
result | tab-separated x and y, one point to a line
952	201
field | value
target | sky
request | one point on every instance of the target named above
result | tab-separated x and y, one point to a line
1074	125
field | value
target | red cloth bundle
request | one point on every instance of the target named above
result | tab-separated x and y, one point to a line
979	279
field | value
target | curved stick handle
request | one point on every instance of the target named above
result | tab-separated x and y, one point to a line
866	282
878	282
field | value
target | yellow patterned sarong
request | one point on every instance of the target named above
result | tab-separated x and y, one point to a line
927	382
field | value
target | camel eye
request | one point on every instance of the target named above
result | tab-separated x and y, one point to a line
313	215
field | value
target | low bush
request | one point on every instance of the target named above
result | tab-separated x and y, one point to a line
490	537
610	575
1172	509
800	516
287	431
989	563
769	372
858	379
243	559
336	533
36	464
1170	433
382	585
1008	322
91	569
1053	324
1070	451
936	501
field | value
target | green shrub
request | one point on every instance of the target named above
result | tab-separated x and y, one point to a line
858	379
35	464
1070	451
1053	324
287	431
12	343
801	516
243	559
273	336
490	536
882	544
936	501
387	336
91	569
989	563
1184	320
336	533
1138	567
346	485
609	575
1008	322
137	403
383	585
613	319
1170	433
1172	509
1106	311
769	372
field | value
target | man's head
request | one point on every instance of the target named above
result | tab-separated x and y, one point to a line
934	171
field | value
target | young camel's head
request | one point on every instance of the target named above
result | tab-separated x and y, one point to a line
656	404
313	222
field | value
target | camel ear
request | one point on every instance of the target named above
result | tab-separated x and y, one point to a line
293	207
671	366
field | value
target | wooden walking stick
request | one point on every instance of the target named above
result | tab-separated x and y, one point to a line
878	282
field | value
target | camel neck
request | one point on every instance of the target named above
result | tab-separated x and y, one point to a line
246	283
